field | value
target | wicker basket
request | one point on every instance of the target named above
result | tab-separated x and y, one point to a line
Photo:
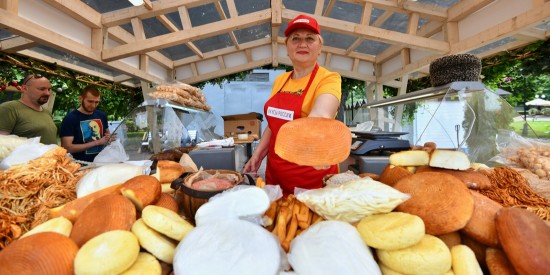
451	68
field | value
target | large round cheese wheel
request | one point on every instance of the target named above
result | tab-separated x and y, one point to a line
394	230
442	201
429	256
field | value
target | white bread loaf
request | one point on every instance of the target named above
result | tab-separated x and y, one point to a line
410	158
449	159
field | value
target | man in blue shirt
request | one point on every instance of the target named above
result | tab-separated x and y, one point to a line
84	131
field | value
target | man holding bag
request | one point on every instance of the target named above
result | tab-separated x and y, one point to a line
84	131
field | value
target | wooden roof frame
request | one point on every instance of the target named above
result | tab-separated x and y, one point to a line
464	27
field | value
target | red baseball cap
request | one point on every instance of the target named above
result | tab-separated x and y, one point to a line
302	22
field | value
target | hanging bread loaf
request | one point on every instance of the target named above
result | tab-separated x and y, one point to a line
525	238
441	200
314	141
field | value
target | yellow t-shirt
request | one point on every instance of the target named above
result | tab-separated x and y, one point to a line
325	82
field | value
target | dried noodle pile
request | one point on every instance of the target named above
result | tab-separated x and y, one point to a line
511	189
27	191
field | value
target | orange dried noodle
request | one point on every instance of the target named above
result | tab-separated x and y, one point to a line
511	189
27	191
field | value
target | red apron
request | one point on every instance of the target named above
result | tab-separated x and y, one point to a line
278	110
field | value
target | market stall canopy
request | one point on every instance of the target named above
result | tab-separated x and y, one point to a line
379	41
538	102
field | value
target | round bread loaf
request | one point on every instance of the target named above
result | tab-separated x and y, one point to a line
168	170
498	263
142	190
481	226
145	264
162	247
110	212
392	174
451	239
314	141
471	178
393	230
410	158
525	238
167	201
441	200
166	221
108	253
429	256
40	253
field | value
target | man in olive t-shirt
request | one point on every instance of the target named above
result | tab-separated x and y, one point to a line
26	117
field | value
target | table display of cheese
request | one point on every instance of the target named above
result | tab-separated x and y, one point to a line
429	212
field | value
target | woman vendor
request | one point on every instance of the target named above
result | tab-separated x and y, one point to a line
307	91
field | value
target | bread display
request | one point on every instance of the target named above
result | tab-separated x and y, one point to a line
183	94
441	200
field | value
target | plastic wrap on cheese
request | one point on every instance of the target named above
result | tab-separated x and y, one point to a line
9	142
107	175
353	200
331	247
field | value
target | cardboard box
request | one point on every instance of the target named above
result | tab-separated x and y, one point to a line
250	124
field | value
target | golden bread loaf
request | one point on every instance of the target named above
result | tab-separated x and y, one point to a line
167	201
392	174
525	238
449	159
166	221
464	261
314	141
441	200
471	178
142	190
168	170
498	263
111	252
389	231
410	158
162	247
110	212
429	256
481	226
74	208
477	247
41	253
145	264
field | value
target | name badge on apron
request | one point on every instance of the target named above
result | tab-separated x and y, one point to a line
280	113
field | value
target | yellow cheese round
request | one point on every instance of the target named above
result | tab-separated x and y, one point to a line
393	230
